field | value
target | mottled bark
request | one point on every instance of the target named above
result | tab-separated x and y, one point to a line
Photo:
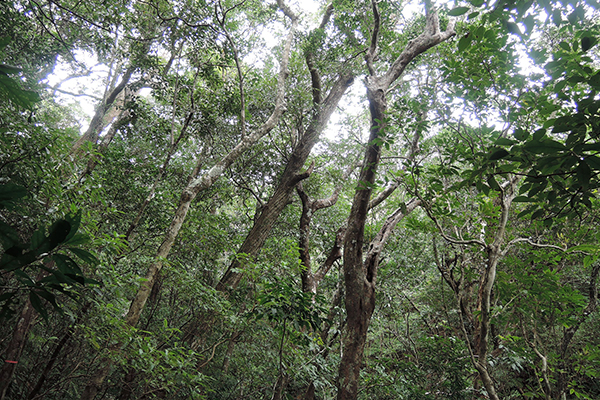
292	175
478	346
360	275
98	120
195	186
495	252
310	279
119	115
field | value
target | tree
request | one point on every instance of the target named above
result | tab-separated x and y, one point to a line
240	251
360	274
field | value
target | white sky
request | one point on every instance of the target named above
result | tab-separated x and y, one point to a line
90	88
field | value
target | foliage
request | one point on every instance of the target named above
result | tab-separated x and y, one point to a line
49	252
513	98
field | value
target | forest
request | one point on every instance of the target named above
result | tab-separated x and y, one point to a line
292	199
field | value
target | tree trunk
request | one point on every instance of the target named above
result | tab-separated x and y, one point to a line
264	222
98	121
263	225
15	347
359	276
189	194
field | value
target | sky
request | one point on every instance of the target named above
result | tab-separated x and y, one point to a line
84	92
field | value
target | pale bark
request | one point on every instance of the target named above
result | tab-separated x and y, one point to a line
119	115
292	175
478	347
189	194
98	121
360	275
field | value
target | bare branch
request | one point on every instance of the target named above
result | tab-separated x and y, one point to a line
534	244
370	57
55	89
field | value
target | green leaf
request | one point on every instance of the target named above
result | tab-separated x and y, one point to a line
10	193
78	239
498	154
586	43
50	298
523	199
511	27
547	146
539	134
75	221
560	85
38	238
59	232
480	32
537	214
591	147
37	305
556	17
535	189
84	255
10	90
502	141
463	43
587	248
455	12
593	162
68	267
521	134
493	183
8	69
565	46
8	236
24	278
584	174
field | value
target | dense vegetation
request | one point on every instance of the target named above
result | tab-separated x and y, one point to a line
373	200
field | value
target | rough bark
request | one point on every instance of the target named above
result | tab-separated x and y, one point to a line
360	276
495	252
310	279
292	175
15	347
189	194
478	346
263	225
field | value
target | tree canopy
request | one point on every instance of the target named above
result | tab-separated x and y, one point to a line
275	200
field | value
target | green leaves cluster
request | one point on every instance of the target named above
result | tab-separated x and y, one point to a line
10	88
48	251
283	301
